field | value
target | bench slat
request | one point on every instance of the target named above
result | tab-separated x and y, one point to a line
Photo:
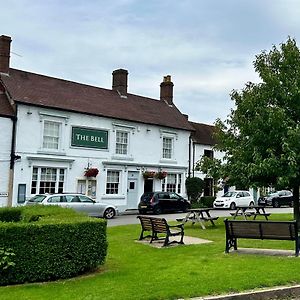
274	230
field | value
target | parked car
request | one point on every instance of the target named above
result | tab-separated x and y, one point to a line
78	202
277	199
233	199
158	202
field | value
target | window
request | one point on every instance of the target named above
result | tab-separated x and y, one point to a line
121	142
113	182
87	187
47	180
54	199
85	199
208	153
51	135
167	147
21	193
172	183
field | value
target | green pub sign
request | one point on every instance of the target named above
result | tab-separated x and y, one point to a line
89	138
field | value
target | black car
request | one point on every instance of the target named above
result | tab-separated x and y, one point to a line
277	199
157	202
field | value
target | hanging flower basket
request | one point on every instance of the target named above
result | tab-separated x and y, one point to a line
148	174
161	175
91	172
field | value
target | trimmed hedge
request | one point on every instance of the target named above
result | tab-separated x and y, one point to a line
12	214
59	244
207	201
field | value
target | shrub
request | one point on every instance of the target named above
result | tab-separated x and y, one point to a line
6	258
207	201
194	188
12	214
60	244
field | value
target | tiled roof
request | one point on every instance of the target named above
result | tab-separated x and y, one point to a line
203	134
34	89
6	109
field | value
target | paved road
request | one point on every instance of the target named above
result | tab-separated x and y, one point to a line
130	217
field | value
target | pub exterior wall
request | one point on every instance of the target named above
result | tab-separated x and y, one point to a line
145	144
6	134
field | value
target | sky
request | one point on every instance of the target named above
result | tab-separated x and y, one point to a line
207	46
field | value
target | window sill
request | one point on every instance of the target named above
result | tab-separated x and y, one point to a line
120	157
52	152
168	161
112	196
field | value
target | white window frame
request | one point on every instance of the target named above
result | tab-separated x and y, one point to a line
58	136
178	188
171	139
107	188
87	187
53	118
121	143
37	177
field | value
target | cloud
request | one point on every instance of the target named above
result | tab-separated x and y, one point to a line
207	46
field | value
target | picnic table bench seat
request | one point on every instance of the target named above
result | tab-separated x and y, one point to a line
159	226
264	230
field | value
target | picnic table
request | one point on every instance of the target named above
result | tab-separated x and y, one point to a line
250	211
199	215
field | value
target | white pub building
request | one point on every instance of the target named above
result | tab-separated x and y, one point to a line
62	136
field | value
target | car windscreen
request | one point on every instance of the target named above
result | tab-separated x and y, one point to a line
147	197
37	198
229	194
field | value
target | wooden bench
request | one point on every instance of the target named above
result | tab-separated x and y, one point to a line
146	226
160	226
264	230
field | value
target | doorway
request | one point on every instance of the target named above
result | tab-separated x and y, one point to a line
148	185
132	190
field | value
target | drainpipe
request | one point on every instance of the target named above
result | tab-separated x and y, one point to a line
12	163
193	159
190	146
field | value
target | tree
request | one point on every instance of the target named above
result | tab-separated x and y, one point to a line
194	188
261	136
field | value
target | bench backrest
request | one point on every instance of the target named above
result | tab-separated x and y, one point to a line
145	222
273	230
160	225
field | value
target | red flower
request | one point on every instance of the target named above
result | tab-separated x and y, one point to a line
91	172
161	175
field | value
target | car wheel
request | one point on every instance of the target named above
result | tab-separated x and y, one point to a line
251	203
276	204
232	206
157	210
109	213
291	204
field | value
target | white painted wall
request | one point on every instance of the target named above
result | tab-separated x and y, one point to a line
5	147
145	151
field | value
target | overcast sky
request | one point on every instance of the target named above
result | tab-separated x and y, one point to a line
207	46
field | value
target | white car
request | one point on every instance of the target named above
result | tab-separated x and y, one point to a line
78	202
233	199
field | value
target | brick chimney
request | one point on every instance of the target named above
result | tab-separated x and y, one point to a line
4	53
119	82
166	90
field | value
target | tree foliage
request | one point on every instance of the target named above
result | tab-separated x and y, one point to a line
261	136
194	188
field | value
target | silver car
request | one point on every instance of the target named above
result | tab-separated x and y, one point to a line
78	202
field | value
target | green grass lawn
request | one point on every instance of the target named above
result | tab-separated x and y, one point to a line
137	271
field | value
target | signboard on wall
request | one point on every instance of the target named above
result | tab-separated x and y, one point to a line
89	138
